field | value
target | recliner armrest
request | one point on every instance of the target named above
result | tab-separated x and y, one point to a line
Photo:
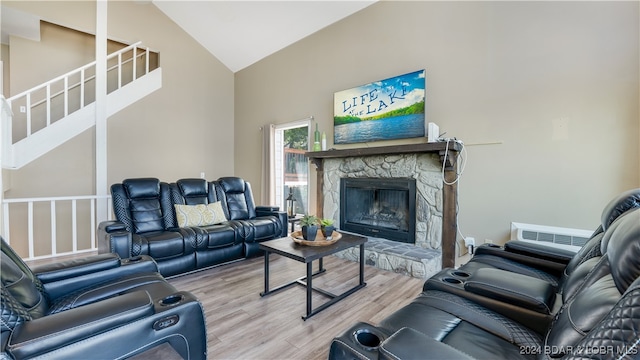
454	281
49	333
408	343
112	226
267	208
113	237
76	267
281	215
57	286
530	258
540	251
520	290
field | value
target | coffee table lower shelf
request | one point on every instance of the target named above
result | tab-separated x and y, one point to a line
286	247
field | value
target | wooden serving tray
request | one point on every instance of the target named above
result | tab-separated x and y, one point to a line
320	240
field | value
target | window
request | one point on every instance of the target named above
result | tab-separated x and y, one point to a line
291	167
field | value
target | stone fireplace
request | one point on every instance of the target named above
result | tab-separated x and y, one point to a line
433	221
420	254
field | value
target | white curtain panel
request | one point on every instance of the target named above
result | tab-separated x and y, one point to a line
267	195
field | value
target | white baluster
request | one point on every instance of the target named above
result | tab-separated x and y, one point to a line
48	104
119	70
74	225
28	114
54	241
93	223
82	88
134	64
66	95
7	229
30	224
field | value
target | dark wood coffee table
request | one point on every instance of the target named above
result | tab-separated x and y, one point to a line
307	254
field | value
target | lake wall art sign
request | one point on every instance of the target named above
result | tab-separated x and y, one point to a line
383	110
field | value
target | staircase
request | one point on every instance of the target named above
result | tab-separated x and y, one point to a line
46	116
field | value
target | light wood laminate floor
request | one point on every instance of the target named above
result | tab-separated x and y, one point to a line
243	325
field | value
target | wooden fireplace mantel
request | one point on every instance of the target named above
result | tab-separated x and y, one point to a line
448	152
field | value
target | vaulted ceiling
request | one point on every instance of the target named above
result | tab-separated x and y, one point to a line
240	33
237	32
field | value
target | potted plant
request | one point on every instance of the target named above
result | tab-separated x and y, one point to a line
327	227
309	224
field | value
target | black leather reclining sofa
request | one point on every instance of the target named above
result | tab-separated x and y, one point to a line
147	223
522	301
98	307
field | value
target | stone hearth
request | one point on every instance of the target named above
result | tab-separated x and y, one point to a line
406	259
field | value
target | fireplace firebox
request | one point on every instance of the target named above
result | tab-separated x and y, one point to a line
379	207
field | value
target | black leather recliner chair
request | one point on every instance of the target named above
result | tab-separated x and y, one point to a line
98	307
491	313
257	223
147	226
215	244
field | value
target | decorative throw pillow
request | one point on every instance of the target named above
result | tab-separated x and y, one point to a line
200	215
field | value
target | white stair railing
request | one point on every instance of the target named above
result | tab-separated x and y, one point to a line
69	223
47	93
63	218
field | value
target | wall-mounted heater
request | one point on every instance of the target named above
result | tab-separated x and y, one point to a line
566	238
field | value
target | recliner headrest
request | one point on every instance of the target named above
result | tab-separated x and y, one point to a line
192	187
142	188
624	249
620	204
232	184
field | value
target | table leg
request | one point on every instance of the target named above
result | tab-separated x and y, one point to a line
361	264
320	265
309	287
334	298
266	274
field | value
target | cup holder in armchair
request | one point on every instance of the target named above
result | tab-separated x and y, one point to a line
360	341
172	300
451	280
461	274
447	280
367	339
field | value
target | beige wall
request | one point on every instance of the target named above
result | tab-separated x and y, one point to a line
187	128
179	131
4	57
555	84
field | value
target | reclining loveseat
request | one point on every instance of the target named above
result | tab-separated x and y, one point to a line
188	225
486	310
98	307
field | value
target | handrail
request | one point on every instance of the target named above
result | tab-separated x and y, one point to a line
55	198
49	97
72	72
72	230
43	85
86	80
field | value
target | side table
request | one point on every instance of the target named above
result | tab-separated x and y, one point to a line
293	222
